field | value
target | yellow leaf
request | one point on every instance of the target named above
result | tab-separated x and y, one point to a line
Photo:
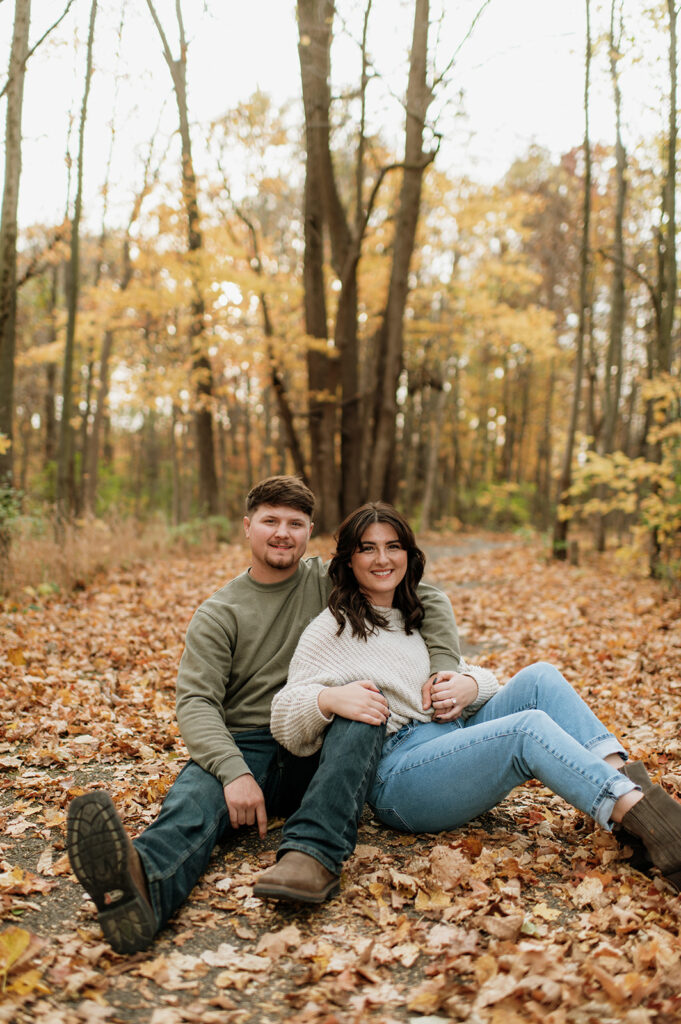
432	900
5	444
13	944
30	982
16	656
427	997
545	912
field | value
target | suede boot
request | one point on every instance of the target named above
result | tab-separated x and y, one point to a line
636	771
640	858
109	868
656	820
297	878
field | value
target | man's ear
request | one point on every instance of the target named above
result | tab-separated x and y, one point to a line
247	525
309	532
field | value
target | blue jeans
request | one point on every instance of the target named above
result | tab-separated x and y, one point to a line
437	776
321	796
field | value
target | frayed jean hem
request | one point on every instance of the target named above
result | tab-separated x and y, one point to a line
606	745
311	851
607	798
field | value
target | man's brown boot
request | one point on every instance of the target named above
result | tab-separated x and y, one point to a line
656	820
299	878
108	867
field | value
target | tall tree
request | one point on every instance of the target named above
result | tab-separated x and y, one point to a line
667	285
614	363
390	339
315	21
201	365
327	216
560	528
91	454
8	231
667	262
65	451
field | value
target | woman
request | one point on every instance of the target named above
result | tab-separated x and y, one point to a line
458	743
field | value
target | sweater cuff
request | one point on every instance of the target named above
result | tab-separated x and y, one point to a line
231	768
314	719
487	685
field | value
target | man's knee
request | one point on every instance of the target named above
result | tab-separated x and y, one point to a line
357	735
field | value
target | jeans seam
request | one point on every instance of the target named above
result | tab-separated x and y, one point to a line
363	784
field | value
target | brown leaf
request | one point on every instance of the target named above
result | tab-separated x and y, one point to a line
275	944
448	866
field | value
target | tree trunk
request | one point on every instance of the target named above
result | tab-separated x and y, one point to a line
542	502
8	232
390	336
668	289
276	378
613	369
65	453
315	21
50	445
614	360
560	528
201	367
429	487
666	262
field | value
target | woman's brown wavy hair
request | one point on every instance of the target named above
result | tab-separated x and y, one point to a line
347	603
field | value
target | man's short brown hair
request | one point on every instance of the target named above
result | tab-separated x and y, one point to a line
281	490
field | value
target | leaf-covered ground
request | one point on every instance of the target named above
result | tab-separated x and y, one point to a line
529	914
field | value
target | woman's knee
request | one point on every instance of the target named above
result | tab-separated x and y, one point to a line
541	675
535	722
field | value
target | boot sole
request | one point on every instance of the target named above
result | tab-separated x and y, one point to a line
97	846
289	895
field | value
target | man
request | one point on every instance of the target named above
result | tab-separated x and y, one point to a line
238	648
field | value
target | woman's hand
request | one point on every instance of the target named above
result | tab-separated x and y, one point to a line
448	693
361	701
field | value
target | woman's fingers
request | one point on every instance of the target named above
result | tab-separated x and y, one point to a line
361	701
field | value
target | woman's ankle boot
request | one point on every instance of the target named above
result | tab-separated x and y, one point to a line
639	858
636	771
656	820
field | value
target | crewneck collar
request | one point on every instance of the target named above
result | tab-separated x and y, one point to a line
290	581
390	613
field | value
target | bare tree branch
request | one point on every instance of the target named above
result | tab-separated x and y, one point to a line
164	40
465	39
42	39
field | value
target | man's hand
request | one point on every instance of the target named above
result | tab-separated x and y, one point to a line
361	701
246	803
448	693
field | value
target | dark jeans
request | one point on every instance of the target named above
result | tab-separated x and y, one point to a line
321	796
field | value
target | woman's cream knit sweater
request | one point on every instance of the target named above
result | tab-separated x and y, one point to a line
396	662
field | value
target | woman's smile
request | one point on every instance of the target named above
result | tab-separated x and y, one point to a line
379	563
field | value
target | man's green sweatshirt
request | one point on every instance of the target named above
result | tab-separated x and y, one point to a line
238	647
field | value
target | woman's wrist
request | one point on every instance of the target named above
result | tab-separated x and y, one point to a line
325	701
475	683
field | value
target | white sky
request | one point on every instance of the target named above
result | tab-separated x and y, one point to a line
520	75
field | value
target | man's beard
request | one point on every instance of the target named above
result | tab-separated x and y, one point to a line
280	558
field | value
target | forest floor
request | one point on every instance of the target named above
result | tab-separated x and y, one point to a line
531	913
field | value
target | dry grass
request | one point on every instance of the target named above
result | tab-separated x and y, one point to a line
42	559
